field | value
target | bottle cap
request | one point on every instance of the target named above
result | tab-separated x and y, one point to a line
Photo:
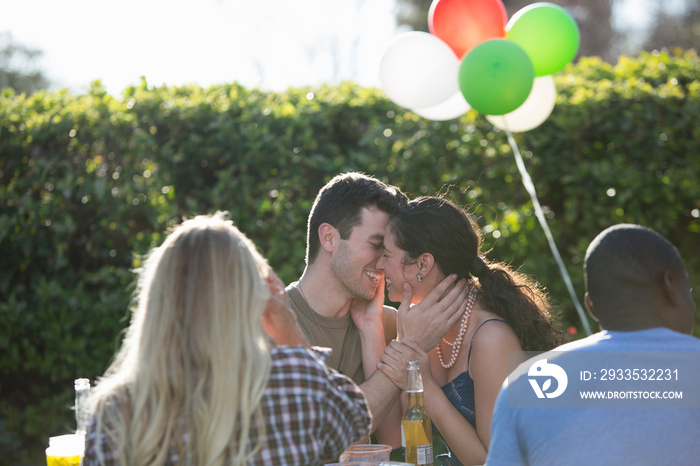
82	384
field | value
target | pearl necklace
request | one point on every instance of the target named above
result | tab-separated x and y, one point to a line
457	344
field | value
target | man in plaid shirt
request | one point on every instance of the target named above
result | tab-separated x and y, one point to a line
310	413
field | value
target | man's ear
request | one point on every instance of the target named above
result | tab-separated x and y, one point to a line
680	313
328	237
672	287
589	305
425	263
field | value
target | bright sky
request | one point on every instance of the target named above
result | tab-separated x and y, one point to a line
273	44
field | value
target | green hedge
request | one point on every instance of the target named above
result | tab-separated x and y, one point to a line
90	182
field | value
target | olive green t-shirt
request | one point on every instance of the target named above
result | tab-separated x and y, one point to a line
337	333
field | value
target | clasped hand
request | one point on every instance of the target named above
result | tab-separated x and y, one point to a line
396	355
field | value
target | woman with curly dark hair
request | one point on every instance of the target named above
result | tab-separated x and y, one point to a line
426	240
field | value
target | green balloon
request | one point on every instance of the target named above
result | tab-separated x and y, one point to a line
496	77
547	33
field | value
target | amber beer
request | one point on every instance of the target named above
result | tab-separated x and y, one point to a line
416	429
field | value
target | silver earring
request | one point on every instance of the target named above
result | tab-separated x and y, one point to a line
419	277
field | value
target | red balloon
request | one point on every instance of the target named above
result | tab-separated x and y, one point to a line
463	24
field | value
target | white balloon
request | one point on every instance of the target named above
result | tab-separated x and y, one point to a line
454	107
533	112
419	70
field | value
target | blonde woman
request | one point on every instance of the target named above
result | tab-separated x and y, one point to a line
197	382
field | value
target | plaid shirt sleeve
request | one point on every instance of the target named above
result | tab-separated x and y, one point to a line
97	443
312	413
347	411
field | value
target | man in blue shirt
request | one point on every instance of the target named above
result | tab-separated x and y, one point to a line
588	402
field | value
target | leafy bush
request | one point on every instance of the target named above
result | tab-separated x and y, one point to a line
89	183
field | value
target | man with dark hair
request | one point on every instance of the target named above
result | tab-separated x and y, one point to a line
640	293
340	203
628	267
339	297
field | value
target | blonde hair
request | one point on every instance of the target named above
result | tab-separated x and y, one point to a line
191	371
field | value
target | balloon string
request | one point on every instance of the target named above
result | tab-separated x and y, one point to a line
530	188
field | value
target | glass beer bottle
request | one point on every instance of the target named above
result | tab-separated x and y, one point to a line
82	391
416	429
67	450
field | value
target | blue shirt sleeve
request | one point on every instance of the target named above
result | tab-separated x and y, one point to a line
505	446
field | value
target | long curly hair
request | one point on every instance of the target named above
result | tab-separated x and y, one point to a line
437	226
195	361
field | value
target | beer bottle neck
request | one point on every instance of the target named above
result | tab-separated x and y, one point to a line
82	391
415	398
414	382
